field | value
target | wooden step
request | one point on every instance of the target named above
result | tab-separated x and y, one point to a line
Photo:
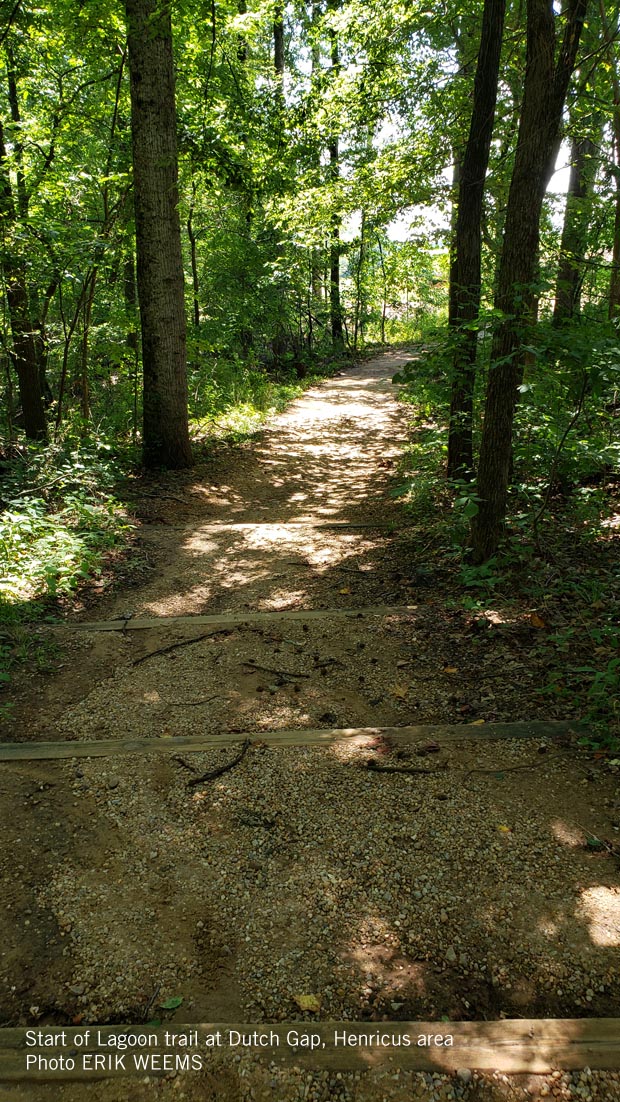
360	737
224	619
512	1046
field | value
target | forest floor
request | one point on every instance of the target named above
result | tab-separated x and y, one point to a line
466	890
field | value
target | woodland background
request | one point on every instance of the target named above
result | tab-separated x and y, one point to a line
338	176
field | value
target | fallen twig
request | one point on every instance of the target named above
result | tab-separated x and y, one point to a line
181	643
375	768
184	763
188	703
213	773
162	497
147	1009
271	669
612	850
509	768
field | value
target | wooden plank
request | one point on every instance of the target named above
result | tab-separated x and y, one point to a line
225	618
360	737
251	525
535	1046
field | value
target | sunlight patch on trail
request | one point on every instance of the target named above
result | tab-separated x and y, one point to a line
600	907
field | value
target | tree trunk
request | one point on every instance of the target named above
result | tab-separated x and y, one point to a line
334	248
158	235
545	89
614	278
335	303
575	230
614	281
278	40
24	350
191	233
315	50
358	321
465	273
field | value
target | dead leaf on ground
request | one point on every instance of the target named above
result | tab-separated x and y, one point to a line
311	1003
400	691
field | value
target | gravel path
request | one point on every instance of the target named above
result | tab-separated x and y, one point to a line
464	891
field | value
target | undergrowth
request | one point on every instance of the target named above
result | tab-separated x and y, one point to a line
556	570
59	519
61	514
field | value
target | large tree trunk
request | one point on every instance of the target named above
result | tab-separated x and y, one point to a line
465	274
546	83
158	235
584	159
24	348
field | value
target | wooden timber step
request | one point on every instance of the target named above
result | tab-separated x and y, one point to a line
360	737
250	525
141	623
511	1046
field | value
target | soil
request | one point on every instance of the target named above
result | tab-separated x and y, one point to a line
465	890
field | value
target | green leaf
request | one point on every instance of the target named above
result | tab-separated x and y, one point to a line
171	1004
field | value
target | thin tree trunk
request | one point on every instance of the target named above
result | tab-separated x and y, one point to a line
130	300
88	309
614	281
158	234
385	291
465	274
575	230
358	321
191	233
614	278
242	46
16	136
40	337
546	83
278	40
316	259
335	302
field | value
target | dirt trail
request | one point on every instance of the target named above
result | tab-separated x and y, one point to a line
325	460
301	871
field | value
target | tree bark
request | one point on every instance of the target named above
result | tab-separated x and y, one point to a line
158	234
191	233
316	265
575	230
614	277
24	350
278	40
335	301
614	280
465	274
545	87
